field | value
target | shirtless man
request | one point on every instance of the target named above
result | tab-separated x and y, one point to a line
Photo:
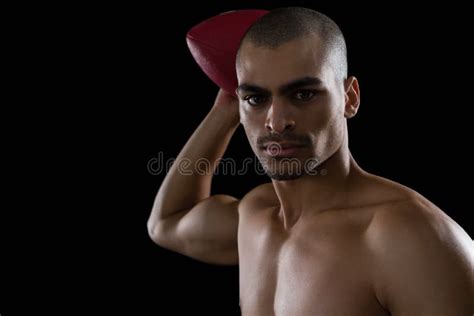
324	238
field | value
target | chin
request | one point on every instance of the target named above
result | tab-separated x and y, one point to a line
284	169
283	176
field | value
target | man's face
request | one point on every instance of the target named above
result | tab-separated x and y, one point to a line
291	105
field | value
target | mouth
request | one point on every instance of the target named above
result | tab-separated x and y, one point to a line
284	149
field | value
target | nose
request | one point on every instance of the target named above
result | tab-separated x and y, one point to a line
279	118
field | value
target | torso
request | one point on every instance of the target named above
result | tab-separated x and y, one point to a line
322	266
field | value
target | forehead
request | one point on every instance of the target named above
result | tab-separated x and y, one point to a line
268	67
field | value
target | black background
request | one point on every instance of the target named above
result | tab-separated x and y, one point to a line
135	91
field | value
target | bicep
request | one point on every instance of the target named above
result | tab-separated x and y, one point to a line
207	232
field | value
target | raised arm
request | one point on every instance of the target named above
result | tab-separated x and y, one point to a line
185	218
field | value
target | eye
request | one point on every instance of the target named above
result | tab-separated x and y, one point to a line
255	99
304	95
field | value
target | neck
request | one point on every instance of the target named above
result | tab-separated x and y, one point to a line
316	193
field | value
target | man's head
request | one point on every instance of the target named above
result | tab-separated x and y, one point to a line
293	89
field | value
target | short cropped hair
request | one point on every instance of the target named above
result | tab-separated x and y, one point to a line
282	25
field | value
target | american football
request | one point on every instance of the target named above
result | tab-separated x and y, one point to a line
214	43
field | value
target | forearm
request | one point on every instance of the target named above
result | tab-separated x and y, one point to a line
189	179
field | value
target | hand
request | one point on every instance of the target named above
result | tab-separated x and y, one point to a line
228	103
226	100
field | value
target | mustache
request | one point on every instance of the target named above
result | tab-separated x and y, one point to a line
278	138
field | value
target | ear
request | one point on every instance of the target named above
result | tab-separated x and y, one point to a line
351	97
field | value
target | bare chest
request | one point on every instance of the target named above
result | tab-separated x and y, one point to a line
315	270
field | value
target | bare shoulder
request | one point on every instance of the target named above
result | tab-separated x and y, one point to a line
419	253
414	218
402	214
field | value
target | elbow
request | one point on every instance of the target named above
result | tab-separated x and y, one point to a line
155	231
163	231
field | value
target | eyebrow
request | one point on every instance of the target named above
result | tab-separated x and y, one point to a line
290	86
246	87
299	83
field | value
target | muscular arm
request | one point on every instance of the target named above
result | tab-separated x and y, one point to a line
185	218
425	264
